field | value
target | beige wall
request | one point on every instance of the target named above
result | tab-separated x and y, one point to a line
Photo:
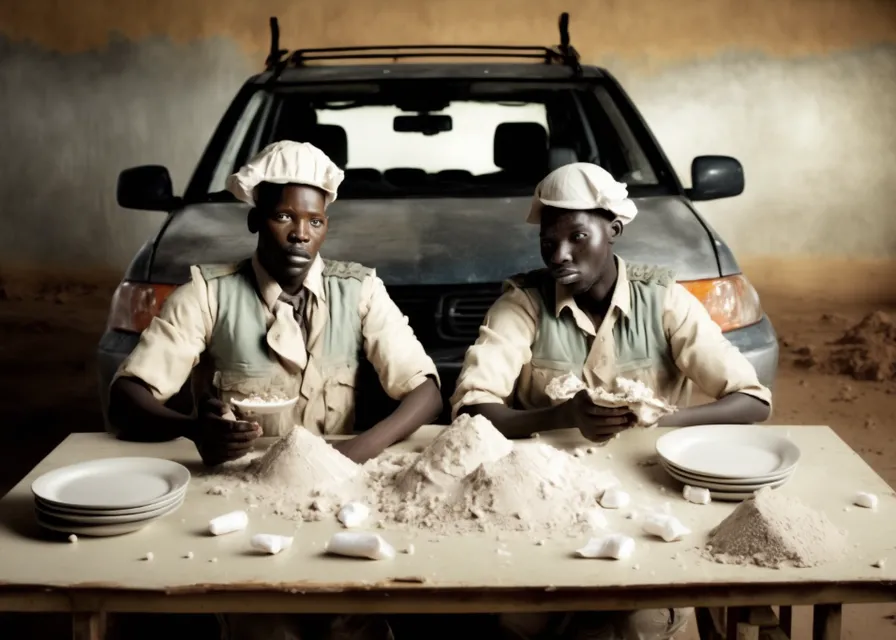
802	92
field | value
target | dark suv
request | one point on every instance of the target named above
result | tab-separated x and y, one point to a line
440	165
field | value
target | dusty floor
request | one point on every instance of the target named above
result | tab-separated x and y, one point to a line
48	377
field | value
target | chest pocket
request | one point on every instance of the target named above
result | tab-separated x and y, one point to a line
340	386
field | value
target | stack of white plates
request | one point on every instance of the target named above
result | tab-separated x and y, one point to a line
109	497
732	461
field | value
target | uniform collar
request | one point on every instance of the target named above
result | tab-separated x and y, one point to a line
270	290
621	297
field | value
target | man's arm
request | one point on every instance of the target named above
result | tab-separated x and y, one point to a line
705	355
492	367
159	366
141	417
404	369
517	423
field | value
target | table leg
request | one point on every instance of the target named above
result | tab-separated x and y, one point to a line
826	621
786	617
87	625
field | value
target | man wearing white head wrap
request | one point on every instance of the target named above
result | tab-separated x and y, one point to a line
284	322
590	314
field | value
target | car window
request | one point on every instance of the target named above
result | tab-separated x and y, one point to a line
444	138
469	146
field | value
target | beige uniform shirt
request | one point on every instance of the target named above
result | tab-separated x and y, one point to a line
497	368
174	342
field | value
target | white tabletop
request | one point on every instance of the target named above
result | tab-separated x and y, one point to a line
468	570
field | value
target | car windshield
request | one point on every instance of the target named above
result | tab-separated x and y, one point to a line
444	138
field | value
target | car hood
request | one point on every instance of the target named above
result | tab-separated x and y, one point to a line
434	241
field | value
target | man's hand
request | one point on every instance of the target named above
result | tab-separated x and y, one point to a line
596	423
356	449
220	437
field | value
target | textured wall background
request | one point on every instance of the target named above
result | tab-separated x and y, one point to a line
801	91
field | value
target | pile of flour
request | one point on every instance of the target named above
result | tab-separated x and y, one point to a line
469	478
299	476
454	453
774	530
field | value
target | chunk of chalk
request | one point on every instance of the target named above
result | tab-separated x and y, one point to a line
270	543
669	528
353	514
73	538
615	546
149	556
697	495
614	499
228	523
867	500
360	545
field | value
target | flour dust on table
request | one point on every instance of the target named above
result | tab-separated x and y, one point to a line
468	479
774	530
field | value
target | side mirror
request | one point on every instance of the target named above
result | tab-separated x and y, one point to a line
715	177
147	188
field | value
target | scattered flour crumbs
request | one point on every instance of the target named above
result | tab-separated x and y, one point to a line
773	530
469	478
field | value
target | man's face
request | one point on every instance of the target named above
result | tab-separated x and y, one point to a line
576	246
292	227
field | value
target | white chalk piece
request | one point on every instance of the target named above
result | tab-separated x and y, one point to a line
880	564
615	546
669	528
228	523
73	538
270	543
353	514
866	500
614	499
697	495
149	557
189	555
360	545
410	550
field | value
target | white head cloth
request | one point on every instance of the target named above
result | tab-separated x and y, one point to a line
582	186
287	162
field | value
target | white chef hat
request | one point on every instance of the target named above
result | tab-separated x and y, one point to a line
582	186
287	162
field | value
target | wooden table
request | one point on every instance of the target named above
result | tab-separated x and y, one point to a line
465	574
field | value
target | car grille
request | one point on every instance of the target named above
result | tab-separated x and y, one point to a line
463	313
445	316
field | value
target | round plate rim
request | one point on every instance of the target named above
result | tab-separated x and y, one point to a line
168	500
105	520
740	480
178	471
739	489
718	429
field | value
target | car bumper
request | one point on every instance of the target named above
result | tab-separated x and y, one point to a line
758	342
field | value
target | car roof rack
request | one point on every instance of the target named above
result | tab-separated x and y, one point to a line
278	59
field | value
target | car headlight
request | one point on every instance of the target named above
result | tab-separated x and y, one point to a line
135	304
732	301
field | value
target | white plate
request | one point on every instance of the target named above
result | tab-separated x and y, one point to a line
724	488
105	519
263	409
729	451
732	482
724	496
98	531
81	511
112	483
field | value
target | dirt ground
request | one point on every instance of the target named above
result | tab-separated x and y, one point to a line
48	337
